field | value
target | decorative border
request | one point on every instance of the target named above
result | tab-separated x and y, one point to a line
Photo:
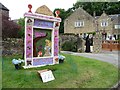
42	17
29	25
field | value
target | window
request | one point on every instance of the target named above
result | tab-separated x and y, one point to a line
79	23
104	23
117	26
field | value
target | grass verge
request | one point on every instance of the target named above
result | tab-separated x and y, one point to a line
75	72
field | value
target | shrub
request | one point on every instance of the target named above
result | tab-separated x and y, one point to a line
69	46
66	46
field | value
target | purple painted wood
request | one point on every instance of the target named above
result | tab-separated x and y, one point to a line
42	61
41	23
43	17
56	43
29	42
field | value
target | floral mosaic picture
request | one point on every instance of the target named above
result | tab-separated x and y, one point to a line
42	43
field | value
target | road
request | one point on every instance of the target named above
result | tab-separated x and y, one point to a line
105	56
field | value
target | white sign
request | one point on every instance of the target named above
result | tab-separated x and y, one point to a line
47	76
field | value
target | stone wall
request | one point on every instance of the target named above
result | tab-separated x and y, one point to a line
12	46
97	42
72	38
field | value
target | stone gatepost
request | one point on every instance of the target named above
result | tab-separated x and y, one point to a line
97	42
80	44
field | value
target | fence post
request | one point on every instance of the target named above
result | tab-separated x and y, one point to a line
110	45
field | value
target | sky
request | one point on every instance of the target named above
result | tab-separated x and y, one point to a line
19	7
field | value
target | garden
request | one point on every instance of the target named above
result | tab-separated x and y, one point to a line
74	72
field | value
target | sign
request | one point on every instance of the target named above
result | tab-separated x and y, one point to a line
46	75
42	23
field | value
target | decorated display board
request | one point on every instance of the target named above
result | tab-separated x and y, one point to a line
41	39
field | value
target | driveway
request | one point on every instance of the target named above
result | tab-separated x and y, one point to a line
106	56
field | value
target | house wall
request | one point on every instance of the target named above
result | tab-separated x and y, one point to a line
5	13
108	29
89	23
116	22
79	14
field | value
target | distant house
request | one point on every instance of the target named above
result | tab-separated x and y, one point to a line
79	22
9	28
4	10
82	22
109	25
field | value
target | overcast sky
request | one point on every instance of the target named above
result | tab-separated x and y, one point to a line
19	7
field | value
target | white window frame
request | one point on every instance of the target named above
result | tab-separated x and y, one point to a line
117	26
79	23
104	23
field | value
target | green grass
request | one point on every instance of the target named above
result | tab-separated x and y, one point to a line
75	72
0	72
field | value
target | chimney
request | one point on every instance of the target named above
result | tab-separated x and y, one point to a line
103	11
94	14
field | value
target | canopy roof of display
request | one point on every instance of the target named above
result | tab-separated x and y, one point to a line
42	17
43	13
44	10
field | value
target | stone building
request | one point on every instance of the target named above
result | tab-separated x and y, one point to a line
109	25
3	11
82	22
79	22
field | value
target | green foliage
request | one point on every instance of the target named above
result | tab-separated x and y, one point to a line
99	7
69	46
93	33
21	22
0	72
63	15
75	72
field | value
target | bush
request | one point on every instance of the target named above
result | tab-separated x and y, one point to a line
66	46
69	46
74	47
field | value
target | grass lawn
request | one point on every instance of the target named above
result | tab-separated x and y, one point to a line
75	72
0	72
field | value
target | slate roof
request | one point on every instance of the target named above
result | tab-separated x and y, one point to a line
3	7
115	17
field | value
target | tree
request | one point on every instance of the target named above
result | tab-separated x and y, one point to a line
21	22
63	15
99	7
9	28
